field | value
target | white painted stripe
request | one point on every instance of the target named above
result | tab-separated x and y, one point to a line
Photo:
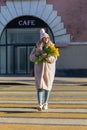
44	121
50	102
68	110
49	110
16	92
71	98
34	92
56	80
52	96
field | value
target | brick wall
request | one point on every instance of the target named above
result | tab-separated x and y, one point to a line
74	16
2	2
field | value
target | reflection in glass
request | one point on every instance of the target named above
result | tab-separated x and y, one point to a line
2	59
22	36
3	37
10	59
20	60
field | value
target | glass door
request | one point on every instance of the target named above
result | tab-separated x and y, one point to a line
20	59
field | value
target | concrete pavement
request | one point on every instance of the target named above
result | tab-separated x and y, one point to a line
67	105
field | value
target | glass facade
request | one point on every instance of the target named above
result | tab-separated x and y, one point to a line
22	36
16	44
2	59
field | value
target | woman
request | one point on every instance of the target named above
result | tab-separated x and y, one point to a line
44	71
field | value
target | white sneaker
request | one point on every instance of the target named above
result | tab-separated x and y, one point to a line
45	106
39	108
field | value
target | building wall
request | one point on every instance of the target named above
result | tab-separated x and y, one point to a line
73	57
2	2
74	16
72	61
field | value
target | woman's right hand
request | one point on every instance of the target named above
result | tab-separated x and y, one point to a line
37	52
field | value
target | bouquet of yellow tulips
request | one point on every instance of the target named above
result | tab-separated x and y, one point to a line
51	51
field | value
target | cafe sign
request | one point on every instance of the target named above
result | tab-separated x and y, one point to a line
26	22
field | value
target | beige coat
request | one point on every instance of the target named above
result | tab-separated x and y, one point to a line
44	71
